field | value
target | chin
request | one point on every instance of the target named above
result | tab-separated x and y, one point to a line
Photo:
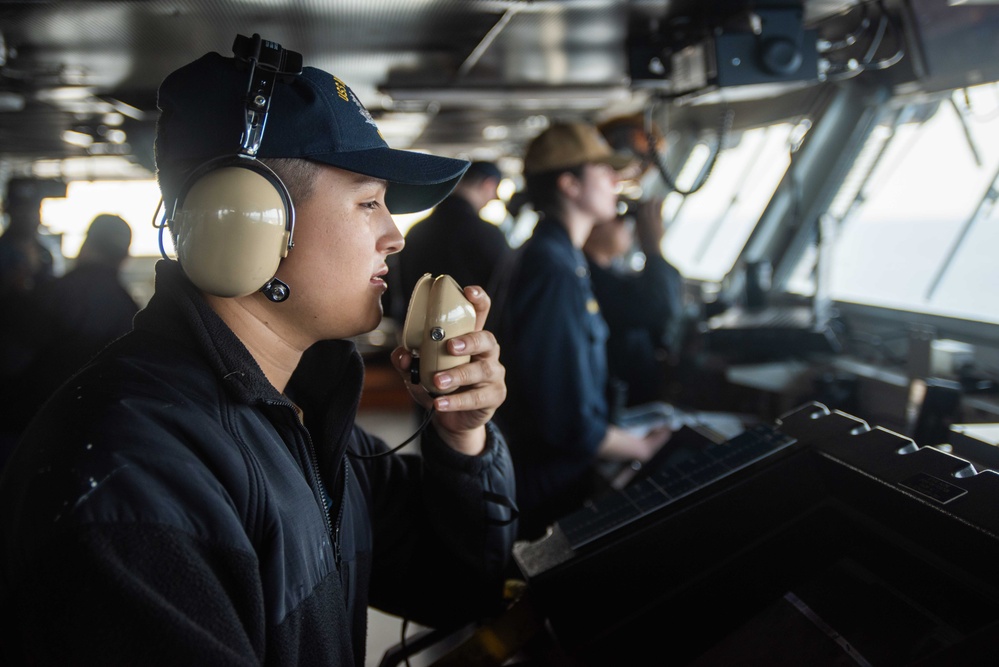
365	320
374	318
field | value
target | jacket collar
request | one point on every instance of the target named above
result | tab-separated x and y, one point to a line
552	226
178	312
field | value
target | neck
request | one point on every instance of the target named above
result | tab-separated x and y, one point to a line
577	224
471	198
277	355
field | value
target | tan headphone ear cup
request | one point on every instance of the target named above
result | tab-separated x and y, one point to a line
232	228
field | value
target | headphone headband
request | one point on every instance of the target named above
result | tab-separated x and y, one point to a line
268	63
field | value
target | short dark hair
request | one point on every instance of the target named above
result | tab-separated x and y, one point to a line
481	171
297	174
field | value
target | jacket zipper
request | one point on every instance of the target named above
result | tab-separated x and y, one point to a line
337	554
317	488
316	479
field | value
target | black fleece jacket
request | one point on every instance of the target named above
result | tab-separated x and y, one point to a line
167	506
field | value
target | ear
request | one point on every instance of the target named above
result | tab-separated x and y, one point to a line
568	184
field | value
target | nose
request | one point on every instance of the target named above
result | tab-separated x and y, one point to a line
391	241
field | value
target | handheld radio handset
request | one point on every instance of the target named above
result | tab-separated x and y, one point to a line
438	311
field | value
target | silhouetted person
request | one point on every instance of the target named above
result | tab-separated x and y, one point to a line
454	239
643	308
71	318
25	261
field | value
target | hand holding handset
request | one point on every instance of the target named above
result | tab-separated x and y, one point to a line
438	311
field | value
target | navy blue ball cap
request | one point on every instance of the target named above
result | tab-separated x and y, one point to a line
314	117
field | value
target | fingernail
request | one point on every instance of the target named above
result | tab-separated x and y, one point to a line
457	345
444	381
475	291
443	403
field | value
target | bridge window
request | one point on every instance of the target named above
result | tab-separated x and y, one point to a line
135	201
708	228
915	223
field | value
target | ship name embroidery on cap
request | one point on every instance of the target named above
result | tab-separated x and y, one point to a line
341	89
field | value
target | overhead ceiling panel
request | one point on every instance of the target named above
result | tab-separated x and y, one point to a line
455	76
